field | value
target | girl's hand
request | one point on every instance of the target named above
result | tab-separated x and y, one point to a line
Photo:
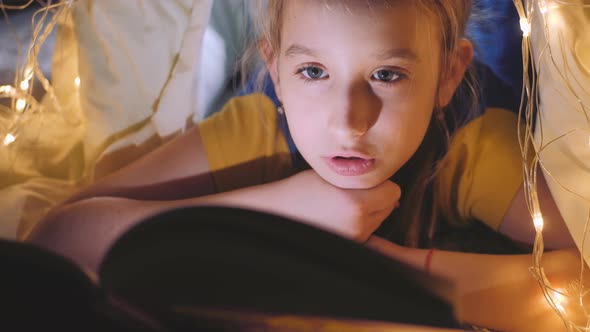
352	213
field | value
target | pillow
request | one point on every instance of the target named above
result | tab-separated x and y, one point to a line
137	61
564	105
125	76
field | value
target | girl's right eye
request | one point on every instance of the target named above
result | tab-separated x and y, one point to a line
312	72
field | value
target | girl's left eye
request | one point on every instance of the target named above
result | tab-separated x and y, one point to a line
386	76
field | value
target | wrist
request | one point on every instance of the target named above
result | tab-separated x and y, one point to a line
420	259
428	261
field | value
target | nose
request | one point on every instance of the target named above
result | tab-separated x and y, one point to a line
355	112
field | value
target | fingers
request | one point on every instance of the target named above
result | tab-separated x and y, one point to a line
377	217
390	189
369	224
384	198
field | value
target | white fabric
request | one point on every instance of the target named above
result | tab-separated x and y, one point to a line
564	86
137	59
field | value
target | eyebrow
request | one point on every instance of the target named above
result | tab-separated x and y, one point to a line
403	53
297	49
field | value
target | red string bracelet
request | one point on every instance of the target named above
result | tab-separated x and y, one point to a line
428	260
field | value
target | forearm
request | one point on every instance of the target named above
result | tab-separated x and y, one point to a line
84	230
196	185
177	169
496	291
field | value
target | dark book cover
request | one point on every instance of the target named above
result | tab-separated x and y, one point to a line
221	269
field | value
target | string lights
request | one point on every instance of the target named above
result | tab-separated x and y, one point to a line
23	105
8	139
567	302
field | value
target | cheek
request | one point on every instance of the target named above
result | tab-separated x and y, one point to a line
410	112
404	125
401	135
303	106
302	118
299	123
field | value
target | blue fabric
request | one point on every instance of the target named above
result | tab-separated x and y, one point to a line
493	91
495	31
267	88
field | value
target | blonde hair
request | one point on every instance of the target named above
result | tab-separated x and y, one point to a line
413	223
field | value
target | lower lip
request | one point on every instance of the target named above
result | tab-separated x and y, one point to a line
350	167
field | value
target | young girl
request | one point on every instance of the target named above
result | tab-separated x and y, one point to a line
364	90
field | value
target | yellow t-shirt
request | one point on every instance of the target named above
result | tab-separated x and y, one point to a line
244	144
482	170
478	179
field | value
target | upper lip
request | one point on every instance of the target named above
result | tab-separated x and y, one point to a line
351	154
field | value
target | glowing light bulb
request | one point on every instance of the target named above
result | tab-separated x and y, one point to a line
538	221
8	139
5	89
28	73
20	105
77	82
558	300
525	26
24	85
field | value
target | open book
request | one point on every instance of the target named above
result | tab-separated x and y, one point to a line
220	269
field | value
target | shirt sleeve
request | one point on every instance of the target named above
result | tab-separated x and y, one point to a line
244	144
482	171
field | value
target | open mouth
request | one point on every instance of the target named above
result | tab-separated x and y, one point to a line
350	166
348	158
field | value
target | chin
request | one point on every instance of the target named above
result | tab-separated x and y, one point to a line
365	181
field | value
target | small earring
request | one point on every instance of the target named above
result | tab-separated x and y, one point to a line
280	109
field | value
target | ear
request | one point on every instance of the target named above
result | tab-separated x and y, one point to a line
450	80
271	61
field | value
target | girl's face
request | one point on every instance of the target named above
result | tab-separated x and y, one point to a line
358	84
